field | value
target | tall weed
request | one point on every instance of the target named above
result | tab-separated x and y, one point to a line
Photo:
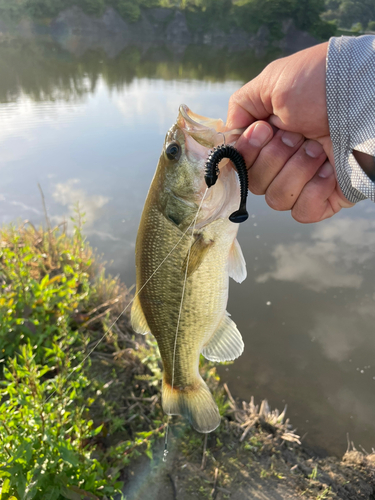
47	436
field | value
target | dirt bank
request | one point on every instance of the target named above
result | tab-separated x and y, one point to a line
267	464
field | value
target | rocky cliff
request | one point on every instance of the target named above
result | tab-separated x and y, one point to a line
78	32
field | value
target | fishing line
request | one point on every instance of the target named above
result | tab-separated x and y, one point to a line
193	223
178	325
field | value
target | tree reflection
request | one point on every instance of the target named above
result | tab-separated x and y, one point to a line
46	72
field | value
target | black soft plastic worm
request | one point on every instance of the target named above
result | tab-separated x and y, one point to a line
212	172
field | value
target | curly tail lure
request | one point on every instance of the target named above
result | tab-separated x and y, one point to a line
212	173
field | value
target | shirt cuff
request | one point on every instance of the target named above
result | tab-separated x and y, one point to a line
350	92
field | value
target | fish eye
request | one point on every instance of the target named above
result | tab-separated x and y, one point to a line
173	151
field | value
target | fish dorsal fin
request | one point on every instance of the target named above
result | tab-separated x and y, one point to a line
236	262
137	318
226	343
198	250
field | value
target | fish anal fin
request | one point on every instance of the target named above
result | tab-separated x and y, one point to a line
194	402
236	262
198	250
137	318
226	343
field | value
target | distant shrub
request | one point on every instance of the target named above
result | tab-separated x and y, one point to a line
371	26
324	30
357	28
42	8
93	7
129	10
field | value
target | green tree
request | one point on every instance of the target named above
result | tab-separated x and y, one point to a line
128	9
94	7
349	12
306	13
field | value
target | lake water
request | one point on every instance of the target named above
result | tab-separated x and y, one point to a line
90	129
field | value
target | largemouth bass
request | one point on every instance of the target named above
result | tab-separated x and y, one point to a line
207	257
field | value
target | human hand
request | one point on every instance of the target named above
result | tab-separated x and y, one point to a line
292	172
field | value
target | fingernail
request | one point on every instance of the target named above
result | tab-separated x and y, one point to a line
291	139
325	170
260	134
313	149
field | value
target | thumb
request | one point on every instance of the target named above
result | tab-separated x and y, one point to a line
250	103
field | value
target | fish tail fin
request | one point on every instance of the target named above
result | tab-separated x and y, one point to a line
194	402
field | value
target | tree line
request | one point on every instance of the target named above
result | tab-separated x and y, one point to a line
351	14
201	14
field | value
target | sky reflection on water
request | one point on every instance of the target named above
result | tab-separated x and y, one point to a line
306	310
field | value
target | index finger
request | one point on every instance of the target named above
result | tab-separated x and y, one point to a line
247	105
238	117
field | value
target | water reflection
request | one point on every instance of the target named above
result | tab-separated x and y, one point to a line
72	196
90	129
337	335
328	258
309	323
46	72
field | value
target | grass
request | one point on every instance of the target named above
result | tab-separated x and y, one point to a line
65	432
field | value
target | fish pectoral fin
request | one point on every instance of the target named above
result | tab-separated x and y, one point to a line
237	264
195	256
194	402
226	343
137	318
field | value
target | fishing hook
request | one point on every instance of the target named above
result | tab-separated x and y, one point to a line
212	173
222	133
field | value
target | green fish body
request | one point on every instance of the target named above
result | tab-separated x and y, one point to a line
206	257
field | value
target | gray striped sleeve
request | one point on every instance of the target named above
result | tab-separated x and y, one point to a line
350	87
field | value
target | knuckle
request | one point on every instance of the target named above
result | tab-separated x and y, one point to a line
268	155
256	189
304	213
276	202
281	97
301	216
272	158
232	99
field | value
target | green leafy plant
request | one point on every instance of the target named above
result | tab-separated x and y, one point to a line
45	431
314	473
47	282
43	278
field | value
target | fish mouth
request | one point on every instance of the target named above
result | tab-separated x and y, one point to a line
201	135
207	132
